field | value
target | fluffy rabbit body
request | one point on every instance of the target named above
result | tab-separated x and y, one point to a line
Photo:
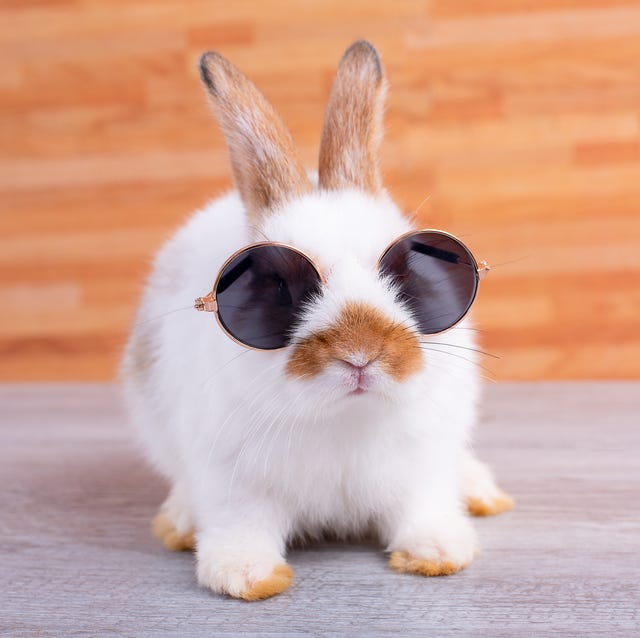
361	425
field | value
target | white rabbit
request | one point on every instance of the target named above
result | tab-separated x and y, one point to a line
261	447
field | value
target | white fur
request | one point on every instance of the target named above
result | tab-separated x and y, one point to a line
256	457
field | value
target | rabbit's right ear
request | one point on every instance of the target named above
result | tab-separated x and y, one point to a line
264	159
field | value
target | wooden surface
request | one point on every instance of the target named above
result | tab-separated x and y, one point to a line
511	123
77	557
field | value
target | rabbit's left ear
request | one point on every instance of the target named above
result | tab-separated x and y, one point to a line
353	123
264	159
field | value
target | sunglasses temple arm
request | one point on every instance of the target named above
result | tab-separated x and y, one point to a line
206	303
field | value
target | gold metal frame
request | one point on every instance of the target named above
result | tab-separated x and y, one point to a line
208	303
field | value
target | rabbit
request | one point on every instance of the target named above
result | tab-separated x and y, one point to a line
262	447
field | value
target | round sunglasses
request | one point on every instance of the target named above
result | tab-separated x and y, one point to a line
261	289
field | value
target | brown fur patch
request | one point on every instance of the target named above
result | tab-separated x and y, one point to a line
281	578
405	563
352	129
358	329
164	530
500	503
264	159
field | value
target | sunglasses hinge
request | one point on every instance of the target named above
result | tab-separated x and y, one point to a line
483	269
206	303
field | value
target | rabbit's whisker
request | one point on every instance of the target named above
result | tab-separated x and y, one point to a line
453	345
241	405
459	356
162	316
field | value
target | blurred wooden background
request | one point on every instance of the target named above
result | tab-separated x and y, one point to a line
518	120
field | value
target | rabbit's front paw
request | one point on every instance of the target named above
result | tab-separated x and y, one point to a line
247	578
439	553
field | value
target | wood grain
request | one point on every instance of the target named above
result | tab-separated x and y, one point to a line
512	124
78	558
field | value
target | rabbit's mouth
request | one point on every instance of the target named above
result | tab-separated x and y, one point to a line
358	375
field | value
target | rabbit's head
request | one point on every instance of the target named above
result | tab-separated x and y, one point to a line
355	337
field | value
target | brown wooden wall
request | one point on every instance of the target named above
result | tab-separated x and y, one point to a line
516	121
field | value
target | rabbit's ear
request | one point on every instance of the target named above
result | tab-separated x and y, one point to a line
264	159
353	122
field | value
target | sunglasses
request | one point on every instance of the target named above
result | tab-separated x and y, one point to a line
261	290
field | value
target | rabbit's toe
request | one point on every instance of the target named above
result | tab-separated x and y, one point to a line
281	578
489	504
174	540
407	564
482	495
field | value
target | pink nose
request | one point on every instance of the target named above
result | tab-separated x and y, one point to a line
356	367
358	370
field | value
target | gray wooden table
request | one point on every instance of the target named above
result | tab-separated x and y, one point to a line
77	559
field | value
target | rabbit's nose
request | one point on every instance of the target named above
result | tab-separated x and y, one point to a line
359	360
355	366
358	372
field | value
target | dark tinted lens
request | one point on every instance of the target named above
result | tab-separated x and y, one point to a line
260	293
436	276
